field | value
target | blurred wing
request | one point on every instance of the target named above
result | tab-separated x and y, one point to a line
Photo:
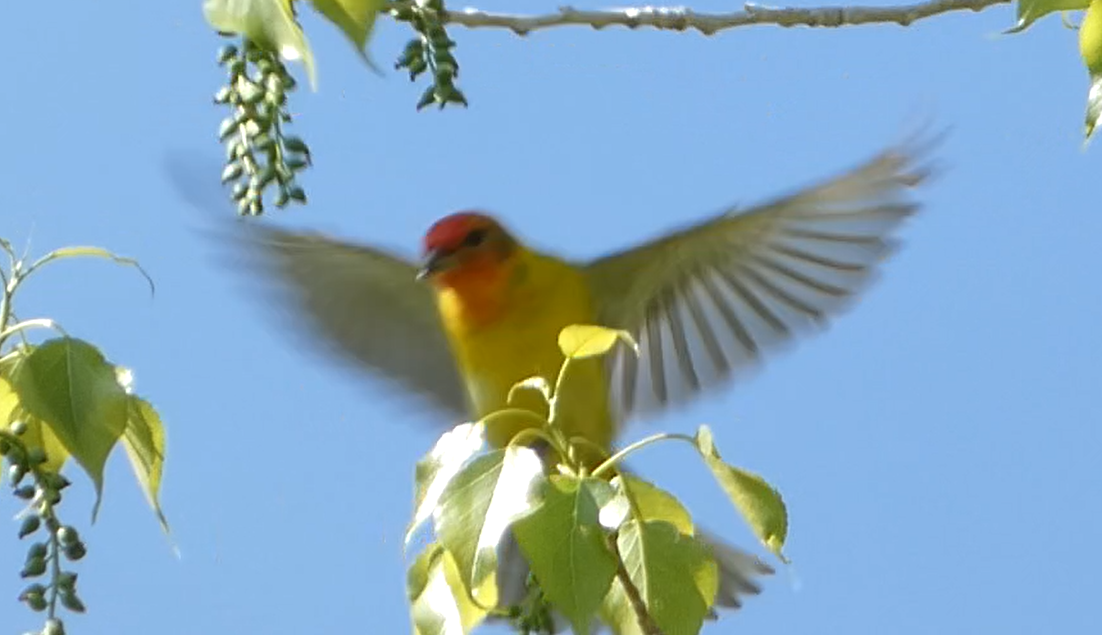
709	301
368	307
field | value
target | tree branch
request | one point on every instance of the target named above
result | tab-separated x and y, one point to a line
685	19
646	622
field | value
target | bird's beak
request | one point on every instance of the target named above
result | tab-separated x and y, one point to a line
434	262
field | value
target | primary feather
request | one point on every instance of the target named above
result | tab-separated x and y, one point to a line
711	300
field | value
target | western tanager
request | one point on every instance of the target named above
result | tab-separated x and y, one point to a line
480	311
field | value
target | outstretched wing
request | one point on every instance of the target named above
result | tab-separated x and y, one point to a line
367	306
713	299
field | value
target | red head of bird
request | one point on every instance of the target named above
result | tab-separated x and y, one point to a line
467	252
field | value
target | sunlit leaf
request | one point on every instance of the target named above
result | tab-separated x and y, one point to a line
68	385
760	504
356	18
477	507
567	548
1094	107
675	575
10	360
270	24
41	436
655	503
417	576
1090	38
1029	11
8	402
439	604
36	434
144	440
615	511
433	472
579	341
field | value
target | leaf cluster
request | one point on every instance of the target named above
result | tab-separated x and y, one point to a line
601	545
430	49
59	399
259	156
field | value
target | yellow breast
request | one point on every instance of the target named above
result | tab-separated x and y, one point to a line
519	339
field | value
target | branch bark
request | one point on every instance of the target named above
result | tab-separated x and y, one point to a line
685	19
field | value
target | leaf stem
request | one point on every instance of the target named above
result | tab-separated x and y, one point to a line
10	285
5	311
75	252
638	445
45	323
47	514
553	404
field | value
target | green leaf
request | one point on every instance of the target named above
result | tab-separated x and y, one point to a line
567	548
68	385
655	503
9	401
476	508
760	504
439	604
1090	39
1094	107
675	575
356	18
579	341
1029	11
433	472
144	440
36	435
41	436
270	24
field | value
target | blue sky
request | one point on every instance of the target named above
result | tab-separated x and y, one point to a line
937	447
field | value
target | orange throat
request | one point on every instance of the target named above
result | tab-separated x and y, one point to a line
474	296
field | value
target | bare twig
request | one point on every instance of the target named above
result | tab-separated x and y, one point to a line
684	18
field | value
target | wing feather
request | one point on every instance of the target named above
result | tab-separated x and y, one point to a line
367	306
712	300
708	339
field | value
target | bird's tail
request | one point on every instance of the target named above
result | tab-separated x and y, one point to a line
738	571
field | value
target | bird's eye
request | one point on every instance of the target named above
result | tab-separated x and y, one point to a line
475	238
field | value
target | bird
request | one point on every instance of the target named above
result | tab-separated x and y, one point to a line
480	311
